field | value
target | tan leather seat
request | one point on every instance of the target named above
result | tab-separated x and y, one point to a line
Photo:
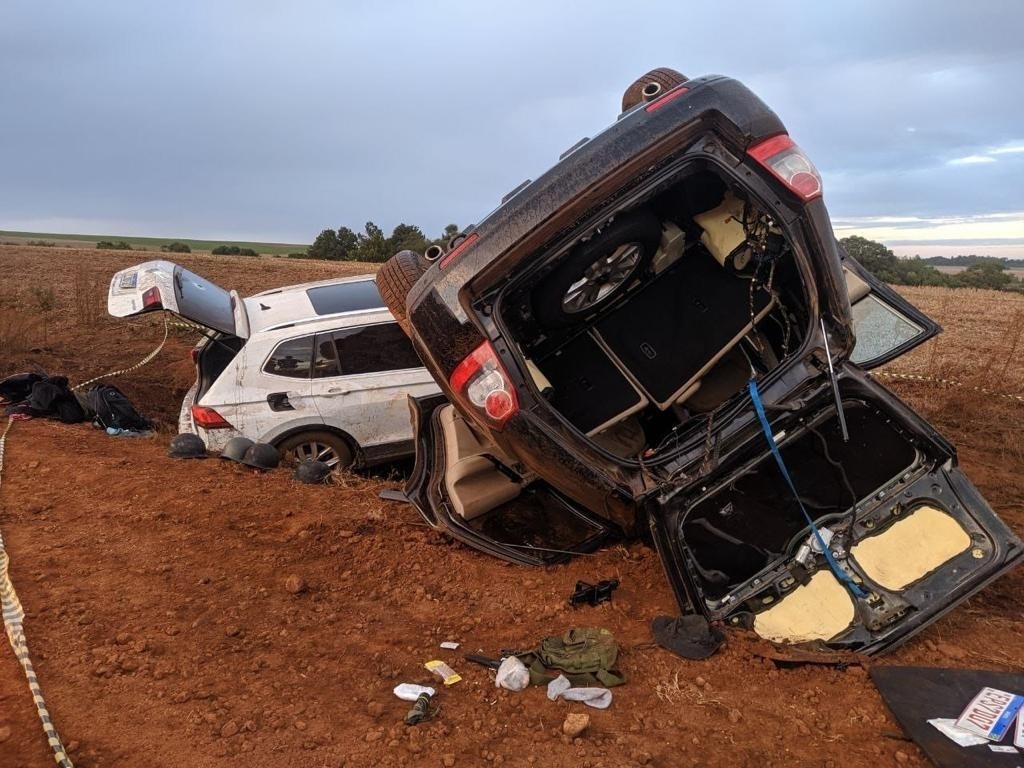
474	484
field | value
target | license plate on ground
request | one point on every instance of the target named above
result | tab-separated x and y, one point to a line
990	713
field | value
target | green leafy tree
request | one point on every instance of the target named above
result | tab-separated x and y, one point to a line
325	246
373	246
348	243
990	274
874	257
407	237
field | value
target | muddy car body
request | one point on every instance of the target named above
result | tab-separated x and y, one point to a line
319	370
596	337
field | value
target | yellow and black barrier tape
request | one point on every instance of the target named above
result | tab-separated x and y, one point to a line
946	383
14	617
142	362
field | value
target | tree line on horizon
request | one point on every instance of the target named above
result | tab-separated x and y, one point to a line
980	271
372	245
344	244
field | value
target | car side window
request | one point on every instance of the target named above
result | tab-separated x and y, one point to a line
292	358
374	348
325	360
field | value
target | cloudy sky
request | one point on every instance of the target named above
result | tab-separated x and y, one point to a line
264	120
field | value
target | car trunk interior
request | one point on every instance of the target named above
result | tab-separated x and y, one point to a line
214	357
751	520
654	319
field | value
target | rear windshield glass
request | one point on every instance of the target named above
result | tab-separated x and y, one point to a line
345	297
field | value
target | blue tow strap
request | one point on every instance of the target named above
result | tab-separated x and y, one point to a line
767	429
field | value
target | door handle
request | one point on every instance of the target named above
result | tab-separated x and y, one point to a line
338	391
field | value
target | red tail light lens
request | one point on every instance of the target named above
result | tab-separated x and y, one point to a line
458	250
788	163
482	383
193	355
152	298
207	418
661	101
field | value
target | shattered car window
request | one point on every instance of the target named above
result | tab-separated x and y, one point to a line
879	329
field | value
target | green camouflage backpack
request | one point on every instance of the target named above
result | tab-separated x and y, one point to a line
586	655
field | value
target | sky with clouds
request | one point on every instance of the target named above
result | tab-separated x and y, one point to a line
267	120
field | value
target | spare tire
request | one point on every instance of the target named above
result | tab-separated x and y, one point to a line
663	76
394	281
597	270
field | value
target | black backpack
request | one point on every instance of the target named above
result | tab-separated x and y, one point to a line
113	409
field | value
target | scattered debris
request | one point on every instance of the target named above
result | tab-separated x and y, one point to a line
690	636
262	456
484	661
420	710
449	645
561	688
955	716
442	670
312	472
187	446
593	594
295	584
990	713
412	691
512	674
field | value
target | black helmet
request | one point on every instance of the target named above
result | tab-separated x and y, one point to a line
261	456
187	446
311	472
235	448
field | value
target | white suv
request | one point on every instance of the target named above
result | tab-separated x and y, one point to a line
320	370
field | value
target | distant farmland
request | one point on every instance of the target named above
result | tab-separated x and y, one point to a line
1018	273
143	243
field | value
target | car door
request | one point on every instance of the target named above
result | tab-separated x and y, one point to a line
268	388
363	375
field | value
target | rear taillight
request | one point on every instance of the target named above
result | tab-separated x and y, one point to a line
152	298
788	163
458	250
193	355
481	383
207	418
661	101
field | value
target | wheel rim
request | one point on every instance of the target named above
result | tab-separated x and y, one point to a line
602	278
317	451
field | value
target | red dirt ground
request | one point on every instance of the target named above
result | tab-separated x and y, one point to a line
164	634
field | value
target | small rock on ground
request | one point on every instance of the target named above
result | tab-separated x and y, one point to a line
575	724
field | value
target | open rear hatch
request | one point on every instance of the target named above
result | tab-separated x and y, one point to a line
164	285
908	535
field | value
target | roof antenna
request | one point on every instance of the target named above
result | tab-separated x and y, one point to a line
835	384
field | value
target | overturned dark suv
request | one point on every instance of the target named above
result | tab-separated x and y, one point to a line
661	338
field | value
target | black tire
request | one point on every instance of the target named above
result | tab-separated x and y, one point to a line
396	278
663	76
327	447
632	238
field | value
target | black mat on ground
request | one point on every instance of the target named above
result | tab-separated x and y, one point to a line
916	695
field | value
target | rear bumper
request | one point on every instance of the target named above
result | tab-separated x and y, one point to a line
215	439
